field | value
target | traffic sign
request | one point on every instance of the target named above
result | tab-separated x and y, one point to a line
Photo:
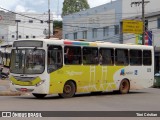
132	26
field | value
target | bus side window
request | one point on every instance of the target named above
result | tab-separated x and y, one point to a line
90	55
72	55
147	57
121	57
68	55
106	56
135	57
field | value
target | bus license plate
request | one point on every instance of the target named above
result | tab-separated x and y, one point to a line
23	89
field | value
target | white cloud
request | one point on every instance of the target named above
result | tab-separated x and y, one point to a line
8	4
31	11
94	3
37	2
56	17
20	8
32	5
40	2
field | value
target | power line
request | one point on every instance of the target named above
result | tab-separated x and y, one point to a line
70	26
21	14
27	27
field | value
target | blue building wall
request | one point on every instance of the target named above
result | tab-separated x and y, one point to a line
109	14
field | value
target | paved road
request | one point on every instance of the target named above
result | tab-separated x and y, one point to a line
140	100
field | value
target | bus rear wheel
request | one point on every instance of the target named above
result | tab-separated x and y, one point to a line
39	95
68	90
124	86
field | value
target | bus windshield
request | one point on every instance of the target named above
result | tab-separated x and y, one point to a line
27	61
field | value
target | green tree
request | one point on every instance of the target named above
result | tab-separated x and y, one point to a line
72	6
57	24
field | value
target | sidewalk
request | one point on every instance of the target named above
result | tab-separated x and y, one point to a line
5	90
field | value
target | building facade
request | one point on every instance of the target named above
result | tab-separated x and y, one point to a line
153	26
97	23
103	22
6	19
24	26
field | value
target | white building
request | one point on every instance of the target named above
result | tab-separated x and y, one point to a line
6	19
28	25
31	25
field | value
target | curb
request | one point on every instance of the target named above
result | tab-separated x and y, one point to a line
5	91
9	93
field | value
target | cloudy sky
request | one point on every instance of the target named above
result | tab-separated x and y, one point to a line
41	5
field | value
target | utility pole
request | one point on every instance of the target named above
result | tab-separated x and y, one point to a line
143	20
17	29
49	27
143	17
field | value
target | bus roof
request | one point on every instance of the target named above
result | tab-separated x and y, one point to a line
90	44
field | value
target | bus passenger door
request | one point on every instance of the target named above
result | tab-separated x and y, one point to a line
55	59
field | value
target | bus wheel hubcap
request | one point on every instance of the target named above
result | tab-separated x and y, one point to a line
124	86
67	89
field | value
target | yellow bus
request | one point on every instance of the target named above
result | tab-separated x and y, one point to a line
66	67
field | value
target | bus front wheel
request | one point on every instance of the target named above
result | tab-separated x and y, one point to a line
38	95
124	86
68	90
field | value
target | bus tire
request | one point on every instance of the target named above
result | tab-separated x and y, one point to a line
69	90
124	86
39	95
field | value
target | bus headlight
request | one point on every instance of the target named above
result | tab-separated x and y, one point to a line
40	83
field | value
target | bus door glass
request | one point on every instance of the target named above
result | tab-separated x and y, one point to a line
17	64
55	59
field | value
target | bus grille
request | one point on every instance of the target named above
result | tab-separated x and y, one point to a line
24	79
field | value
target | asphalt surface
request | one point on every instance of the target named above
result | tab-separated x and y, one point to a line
138	100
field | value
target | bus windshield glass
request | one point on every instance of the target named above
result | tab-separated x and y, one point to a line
27	61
